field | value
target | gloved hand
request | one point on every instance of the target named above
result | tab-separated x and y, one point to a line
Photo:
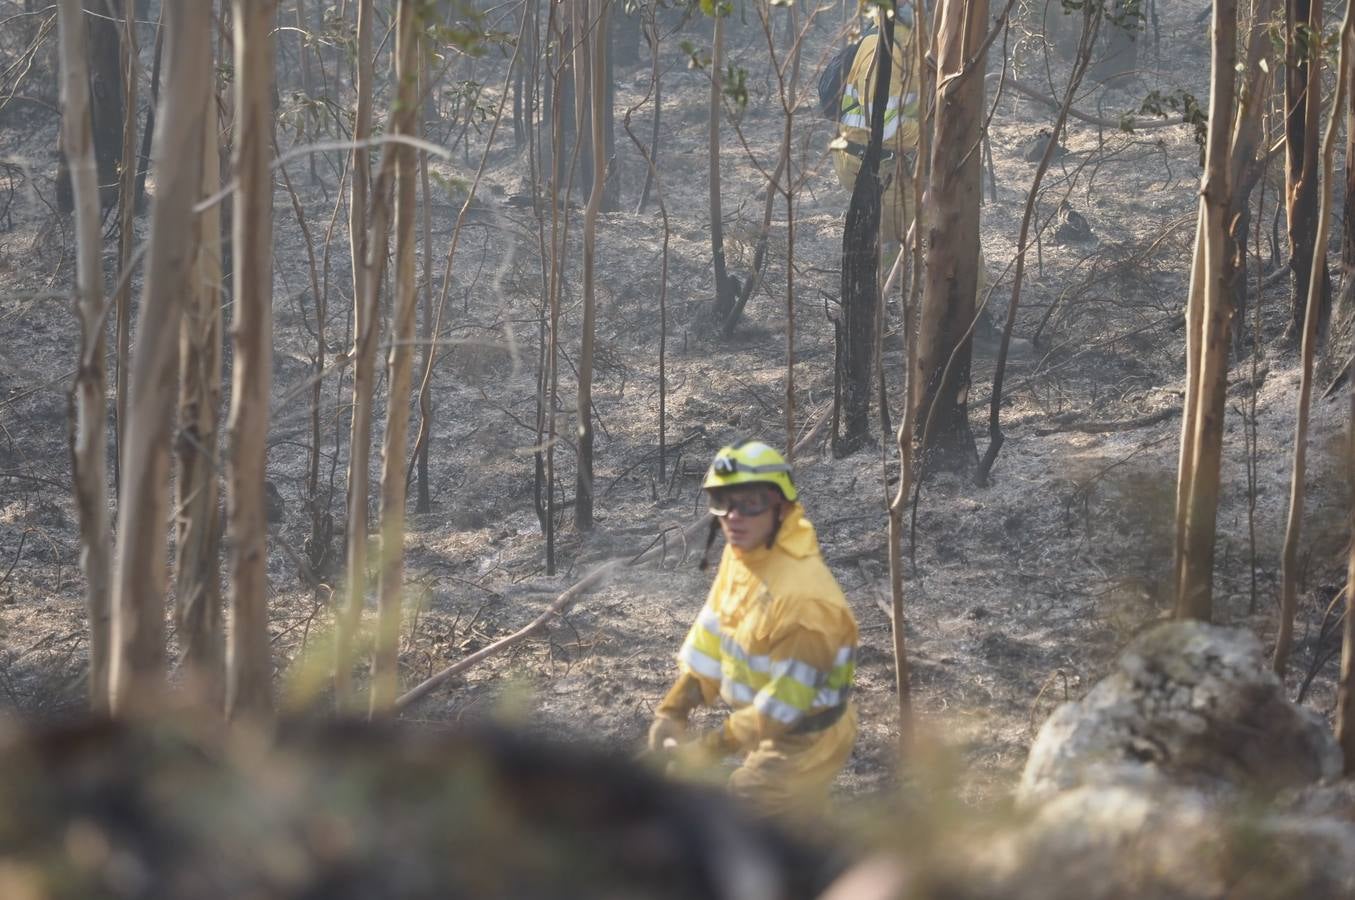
700	756
715	742
666	728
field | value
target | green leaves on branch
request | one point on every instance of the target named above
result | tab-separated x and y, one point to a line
1128	15
1177	102
735	78
736	86
697	57
456	189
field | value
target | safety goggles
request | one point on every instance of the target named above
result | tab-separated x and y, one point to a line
746	503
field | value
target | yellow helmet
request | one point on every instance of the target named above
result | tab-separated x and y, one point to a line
750	462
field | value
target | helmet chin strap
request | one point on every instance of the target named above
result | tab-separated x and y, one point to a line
710	539
776	526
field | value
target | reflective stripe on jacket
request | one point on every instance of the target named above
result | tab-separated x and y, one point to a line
776	639
900	129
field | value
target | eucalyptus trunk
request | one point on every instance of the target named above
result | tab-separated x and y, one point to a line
1303	113
137	675
597	69
1208	317
950	218
88	420
386	660
365	333
249	665
1289	555
197	587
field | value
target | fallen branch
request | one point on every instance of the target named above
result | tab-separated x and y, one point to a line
558	607
1111	425
814	433
1125	123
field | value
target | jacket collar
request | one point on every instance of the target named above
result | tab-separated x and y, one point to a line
795	538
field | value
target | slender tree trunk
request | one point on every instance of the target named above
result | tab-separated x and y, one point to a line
1345	694
137	671
725	290
88	439
905	439
386	660
1091	22
789	101
652	169
249	666
106	67
898	505
556	67
103	66
1303	112
1348	208
596	46
652	178
1203	435
950	216
1246	166
1290	552
197	586
364	358
126	203
307	79
611	187
424	501
760	249
144	156
581	158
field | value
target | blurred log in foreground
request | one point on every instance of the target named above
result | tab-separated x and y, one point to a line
179	810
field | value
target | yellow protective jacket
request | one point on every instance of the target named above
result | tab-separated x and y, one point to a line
858	90
775	640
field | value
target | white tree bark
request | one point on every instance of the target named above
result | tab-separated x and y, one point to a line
137	673
89	440
249	663
197	585
386	663
365	329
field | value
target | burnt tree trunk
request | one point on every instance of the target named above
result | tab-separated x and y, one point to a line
860	270
726	290
1302	81
104	60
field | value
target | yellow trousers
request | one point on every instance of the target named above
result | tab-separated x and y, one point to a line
896	205
789	777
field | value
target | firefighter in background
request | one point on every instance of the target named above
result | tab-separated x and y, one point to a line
775	641
847	85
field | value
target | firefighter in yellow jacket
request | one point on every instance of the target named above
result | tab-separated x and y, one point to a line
900	123
900	135
775	641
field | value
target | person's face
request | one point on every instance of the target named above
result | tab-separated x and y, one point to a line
747	514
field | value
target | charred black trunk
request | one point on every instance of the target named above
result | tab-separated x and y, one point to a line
861	270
